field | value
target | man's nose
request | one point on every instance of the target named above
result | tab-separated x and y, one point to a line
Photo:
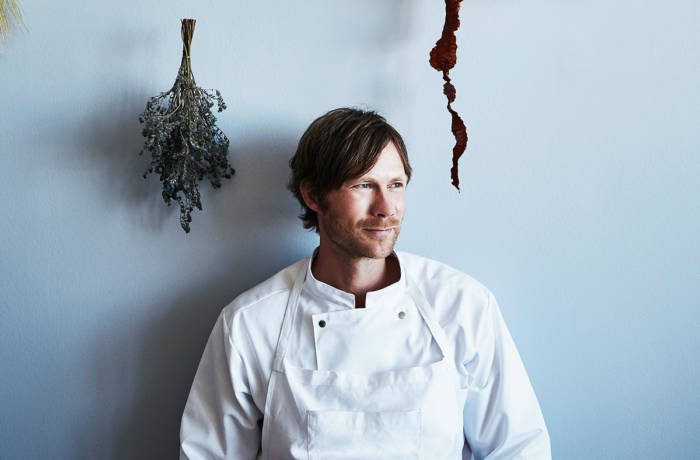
383	205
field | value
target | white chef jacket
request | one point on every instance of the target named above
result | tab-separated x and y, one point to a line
223	416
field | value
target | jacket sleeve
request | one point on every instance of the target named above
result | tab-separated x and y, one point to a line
502	418
220	418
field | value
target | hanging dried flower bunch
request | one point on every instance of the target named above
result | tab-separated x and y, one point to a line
9	13
442	58
185	144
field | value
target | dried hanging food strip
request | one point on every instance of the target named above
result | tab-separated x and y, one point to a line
442	58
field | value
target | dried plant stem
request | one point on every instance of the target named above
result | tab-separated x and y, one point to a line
187	32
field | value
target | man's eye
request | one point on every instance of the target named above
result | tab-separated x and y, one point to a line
397	185
364	185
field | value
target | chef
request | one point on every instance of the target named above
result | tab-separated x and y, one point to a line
360	351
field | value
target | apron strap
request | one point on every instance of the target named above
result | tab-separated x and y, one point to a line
288	321
426	312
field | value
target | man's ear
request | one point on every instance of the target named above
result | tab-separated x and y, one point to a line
307	194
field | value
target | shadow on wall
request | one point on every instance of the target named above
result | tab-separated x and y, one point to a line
165	356
113	141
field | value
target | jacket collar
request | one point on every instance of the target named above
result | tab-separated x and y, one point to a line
387	296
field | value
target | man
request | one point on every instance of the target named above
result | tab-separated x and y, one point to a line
360	352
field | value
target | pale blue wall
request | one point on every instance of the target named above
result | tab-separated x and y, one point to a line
580	206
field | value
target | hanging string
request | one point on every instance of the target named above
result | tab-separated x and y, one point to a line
187	32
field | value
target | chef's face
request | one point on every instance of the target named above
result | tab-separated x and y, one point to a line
363	217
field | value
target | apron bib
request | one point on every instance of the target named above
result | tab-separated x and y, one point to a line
408	413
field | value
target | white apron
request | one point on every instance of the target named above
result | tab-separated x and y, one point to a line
408	413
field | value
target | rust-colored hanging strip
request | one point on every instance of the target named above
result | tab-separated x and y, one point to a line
442	58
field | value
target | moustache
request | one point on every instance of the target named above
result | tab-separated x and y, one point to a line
380	224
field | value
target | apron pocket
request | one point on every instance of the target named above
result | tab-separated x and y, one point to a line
336	435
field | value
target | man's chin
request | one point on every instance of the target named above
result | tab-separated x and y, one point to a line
381	251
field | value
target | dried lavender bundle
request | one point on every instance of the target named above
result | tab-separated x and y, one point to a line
181	134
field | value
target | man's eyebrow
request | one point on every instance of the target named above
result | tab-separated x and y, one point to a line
401	178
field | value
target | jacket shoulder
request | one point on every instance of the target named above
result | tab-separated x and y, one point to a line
253	319
266	298
431	275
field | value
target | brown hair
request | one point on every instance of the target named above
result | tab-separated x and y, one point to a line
340	145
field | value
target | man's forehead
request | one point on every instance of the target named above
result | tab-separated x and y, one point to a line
389	166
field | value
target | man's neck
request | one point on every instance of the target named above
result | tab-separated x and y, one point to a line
356	275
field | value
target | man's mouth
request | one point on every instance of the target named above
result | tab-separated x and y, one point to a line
379	231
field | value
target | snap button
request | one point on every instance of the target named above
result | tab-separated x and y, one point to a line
402	314
322	323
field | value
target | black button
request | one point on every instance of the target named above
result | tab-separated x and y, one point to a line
322	323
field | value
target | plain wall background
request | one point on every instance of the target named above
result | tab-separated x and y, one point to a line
580	202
